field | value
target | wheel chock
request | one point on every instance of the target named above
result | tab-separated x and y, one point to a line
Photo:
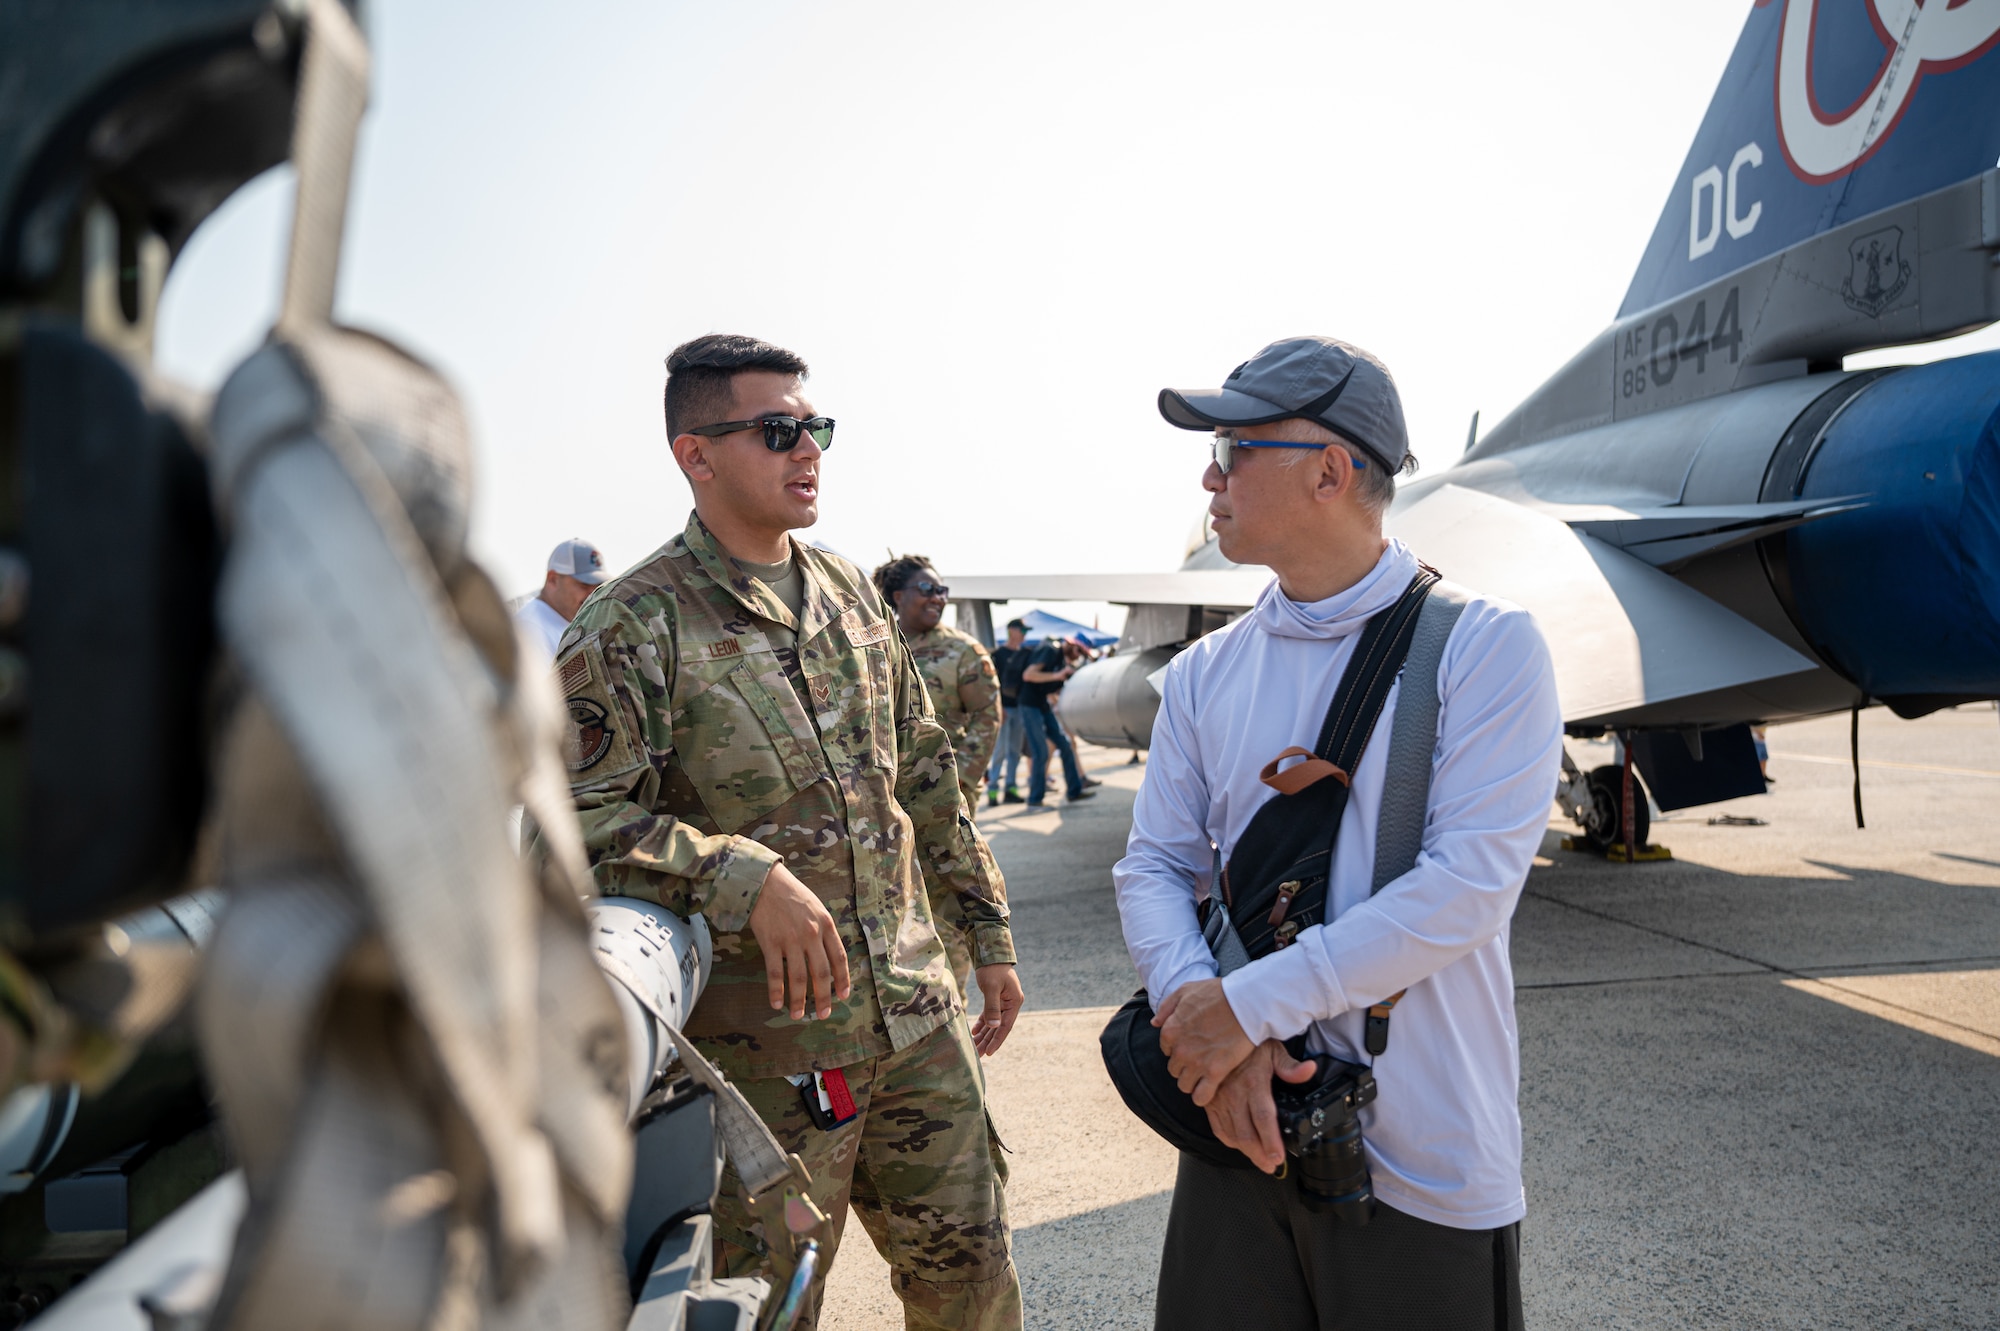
1616	854
1646	855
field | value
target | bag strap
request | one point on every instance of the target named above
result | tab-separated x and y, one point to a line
1358	703
1351	716
1218	930
1359	698
1406	784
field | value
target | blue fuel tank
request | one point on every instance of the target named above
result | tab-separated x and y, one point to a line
1903	595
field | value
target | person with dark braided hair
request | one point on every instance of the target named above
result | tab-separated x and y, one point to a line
964	688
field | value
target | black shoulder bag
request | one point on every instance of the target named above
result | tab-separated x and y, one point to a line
1275	883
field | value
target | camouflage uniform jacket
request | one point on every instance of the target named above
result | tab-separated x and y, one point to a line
697	763
965	689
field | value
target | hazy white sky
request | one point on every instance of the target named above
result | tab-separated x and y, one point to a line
995	231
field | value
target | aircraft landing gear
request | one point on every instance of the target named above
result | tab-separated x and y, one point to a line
1604	830
1600	804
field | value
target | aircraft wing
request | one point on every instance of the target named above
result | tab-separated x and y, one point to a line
1225	589
1670	537
1623	634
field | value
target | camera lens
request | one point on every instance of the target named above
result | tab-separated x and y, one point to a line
1321	1126
1333	1175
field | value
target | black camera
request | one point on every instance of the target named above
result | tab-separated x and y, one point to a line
1321	1126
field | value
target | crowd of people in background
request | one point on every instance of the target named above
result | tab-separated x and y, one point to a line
1013	695
1010	659
999	704
1047	669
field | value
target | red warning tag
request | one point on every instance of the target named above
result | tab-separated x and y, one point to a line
828	1101
838	1098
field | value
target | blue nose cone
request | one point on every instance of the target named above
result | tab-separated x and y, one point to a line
1903	596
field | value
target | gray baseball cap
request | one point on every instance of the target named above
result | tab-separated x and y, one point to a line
578	558
1319	379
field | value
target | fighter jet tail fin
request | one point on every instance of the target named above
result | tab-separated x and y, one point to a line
1829	111
1840	196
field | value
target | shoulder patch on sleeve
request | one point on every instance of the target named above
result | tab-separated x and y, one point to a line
596	739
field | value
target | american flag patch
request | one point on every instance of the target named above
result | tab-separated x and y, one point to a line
574	673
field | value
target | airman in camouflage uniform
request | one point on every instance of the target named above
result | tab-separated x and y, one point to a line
964	688
728	747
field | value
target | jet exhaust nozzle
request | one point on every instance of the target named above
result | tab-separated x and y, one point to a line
1902	595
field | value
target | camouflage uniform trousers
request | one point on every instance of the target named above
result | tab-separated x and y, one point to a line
920	1166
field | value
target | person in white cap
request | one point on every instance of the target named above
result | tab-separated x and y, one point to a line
575	571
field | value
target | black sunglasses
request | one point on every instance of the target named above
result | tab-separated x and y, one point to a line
925	587
781	433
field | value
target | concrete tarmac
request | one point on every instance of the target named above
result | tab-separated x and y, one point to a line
1760	1082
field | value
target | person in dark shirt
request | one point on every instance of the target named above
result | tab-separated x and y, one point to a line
1010	659
1048	669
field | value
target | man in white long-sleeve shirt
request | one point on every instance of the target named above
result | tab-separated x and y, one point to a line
1310	436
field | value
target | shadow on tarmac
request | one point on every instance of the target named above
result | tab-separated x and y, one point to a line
1966	859
1656	920
1709	1142
1728	1151
1078	1272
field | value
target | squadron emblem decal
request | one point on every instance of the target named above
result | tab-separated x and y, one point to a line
1877	271
590	735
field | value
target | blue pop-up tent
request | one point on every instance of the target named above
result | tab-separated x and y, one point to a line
1042	624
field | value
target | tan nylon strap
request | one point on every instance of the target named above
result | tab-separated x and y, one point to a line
270	970
778	1184
333	610
761	1161
408	1036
